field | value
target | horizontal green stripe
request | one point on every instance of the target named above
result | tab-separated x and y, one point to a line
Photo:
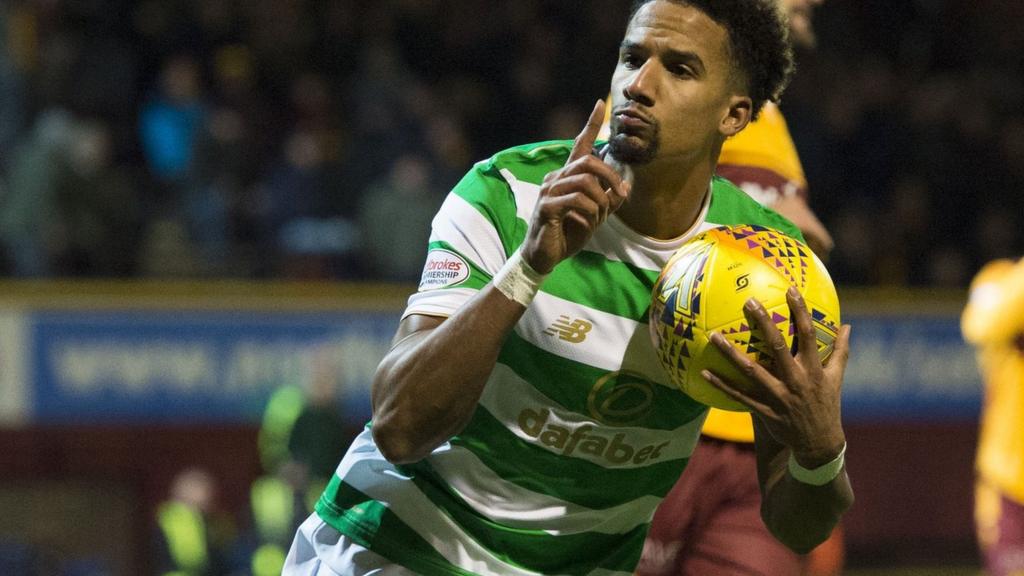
532	162
607	285
562	477
372	525
535	550
478	277
569	383
485	189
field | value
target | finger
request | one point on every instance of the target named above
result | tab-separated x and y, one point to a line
584	143
614	186
736	394
561	207
807	339
580	219
618	197
586	184
781	357
835	366
754	371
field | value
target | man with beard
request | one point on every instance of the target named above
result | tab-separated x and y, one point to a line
522	422
704	526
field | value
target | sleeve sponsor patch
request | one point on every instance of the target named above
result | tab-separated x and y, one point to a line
443	269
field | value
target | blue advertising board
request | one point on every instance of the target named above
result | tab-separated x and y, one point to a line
910	368
157	366
187	367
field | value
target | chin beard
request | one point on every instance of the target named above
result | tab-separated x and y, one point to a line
629	150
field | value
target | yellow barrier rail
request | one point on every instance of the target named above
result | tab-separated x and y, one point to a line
291	296
263	296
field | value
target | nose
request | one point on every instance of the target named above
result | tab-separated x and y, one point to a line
642	88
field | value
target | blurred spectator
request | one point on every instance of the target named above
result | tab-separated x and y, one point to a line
261	170
277	507
171	120
302	438
993	321
192	535
395	219
308	236
27	227
320	435
12	91
165	250
96	208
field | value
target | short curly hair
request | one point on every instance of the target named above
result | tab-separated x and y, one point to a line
759	42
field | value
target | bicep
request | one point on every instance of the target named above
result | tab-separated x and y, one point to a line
414	324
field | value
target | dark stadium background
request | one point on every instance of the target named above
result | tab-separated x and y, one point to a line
200	200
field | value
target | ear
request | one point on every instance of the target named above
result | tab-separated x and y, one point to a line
737	116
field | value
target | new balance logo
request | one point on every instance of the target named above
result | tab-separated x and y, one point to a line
572	331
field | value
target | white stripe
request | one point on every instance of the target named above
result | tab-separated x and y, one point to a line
518	507
526	195
615	240
469	232
366	469
443	302
613	343
516	404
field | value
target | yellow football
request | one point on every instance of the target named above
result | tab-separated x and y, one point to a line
703	287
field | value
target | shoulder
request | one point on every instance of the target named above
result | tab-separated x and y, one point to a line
511	177
528	162
764	151
731	205
995	304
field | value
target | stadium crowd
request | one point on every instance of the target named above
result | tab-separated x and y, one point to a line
316	138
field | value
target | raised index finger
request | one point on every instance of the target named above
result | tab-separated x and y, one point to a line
584	143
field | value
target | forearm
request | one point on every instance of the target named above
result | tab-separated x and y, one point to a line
427	387
802	515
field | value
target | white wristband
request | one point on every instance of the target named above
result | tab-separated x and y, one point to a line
818	476
518	280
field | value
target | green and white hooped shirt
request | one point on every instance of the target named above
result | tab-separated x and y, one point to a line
578	435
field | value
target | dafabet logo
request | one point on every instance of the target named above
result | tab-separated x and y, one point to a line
618	398
585	439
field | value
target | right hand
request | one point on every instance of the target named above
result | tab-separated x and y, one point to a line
574	200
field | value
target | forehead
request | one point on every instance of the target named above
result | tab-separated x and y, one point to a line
665	25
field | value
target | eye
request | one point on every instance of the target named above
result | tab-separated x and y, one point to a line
681	71
631	60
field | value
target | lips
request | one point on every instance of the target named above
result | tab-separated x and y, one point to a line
631	117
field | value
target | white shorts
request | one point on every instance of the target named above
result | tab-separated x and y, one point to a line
320	550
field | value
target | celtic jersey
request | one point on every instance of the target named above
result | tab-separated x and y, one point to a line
578	434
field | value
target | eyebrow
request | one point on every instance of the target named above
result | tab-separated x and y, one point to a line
670	55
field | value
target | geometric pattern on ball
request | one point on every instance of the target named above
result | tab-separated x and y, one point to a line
703	287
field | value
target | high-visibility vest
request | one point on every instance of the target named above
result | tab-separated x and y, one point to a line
268	560
283	409
185	532
273	509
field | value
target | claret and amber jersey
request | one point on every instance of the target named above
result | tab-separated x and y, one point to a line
762	159
993	321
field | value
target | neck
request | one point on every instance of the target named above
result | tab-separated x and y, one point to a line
667	195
